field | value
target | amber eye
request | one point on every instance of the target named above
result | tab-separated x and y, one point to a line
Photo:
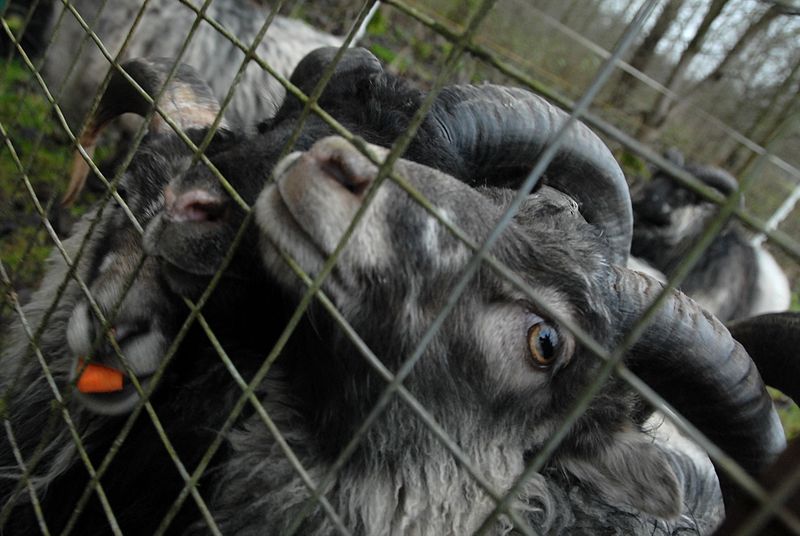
543	343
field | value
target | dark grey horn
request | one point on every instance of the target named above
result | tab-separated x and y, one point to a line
692	360
188	101
499	129
773	342
715	177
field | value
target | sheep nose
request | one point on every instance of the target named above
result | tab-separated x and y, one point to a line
353	183
121	332
344	164
195	205
85	343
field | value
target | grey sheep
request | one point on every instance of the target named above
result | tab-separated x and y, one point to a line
733	277
142	481
498	377
318	396
389	282
164	26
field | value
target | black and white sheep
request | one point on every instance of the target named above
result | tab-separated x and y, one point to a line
500	374
190	233
142	481
733	278
161	31
403	266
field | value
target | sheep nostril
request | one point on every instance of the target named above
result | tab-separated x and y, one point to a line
193	206
339	169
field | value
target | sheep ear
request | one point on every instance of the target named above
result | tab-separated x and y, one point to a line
354	60
188	100
631	471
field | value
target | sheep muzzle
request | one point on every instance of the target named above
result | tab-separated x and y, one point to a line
320	191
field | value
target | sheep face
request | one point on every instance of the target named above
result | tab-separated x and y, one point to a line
498	371
669	217
192	236
666	214
401	259
141	325
144	319
150	313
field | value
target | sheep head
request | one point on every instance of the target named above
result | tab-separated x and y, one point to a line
145	320
668	217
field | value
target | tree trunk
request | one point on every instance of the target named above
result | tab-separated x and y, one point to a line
588	19
752	31
657	116
645	52
567	13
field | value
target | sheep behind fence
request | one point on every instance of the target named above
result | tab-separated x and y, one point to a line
204	221
491	387
162	30
127	322
734	278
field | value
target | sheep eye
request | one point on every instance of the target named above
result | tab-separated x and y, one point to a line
543	344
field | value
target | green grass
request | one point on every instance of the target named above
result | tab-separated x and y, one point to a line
789	413
25	115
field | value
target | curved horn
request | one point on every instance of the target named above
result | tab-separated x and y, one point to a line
188	101
690	359
499	129
773	341
715	177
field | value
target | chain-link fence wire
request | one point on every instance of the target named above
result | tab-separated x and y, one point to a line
463	42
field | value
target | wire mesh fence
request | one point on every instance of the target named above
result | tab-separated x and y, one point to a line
66	447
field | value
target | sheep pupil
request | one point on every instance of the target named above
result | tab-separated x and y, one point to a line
547	342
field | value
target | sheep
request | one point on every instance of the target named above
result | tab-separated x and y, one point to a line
163	157
498	377
142	481
197	212
733	278
161	31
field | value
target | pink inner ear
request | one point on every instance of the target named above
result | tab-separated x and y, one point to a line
99	379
